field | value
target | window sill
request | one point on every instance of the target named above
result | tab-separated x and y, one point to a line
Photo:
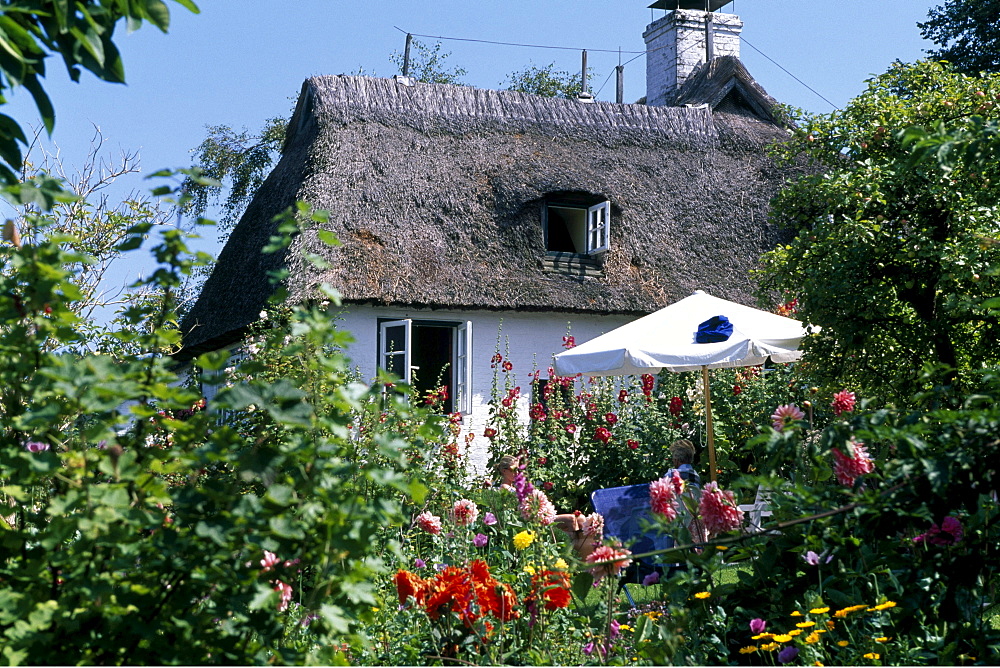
573	264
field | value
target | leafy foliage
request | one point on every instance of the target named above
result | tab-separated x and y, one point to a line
427	64
892	257
968	34
235	163
81	33
546	81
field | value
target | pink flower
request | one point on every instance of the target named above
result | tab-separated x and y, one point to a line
536	506
663	495
786	416
651	579
490	432
611	418
429	523
537	412
35	446
568	342
507	365
269	561
465	512
623	396
848	467
757	625
632	444
571	429
593	525
286	594
480	540
843	401
617	558
496	359
719	511
602	434
949	533
489	519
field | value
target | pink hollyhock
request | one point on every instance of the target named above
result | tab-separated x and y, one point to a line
719	511
571	429
949	533
602	434
676	406
843	402
429	523
286	594
489	519
507	365
568	342
632	444
480	540
848	467
465	512
617	558
536	506
496	359
490	432
611	418
269	561
36	447
537	412
737	389
786	416
664	493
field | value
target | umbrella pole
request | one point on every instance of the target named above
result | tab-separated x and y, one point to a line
708	423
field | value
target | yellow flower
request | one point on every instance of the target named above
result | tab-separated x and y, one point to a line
853	608
703	594
882	639
883	606
770	647
750	649
529	569
830	624
721	547
654	614
874	656
818	611
812	637
805	625
794	632
624	627
784	637
561	564
523	539
842	643
796	614
817	664
763	636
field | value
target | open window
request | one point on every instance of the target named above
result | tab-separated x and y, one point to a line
575	226
429	354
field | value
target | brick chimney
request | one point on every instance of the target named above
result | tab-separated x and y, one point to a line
681	41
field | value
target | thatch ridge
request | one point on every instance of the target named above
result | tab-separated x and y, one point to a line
436	193
715	81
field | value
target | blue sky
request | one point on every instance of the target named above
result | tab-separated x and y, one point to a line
238	63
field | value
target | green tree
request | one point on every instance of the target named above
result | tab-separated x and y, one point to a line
892	257
968	34
427	64
546	81
81	33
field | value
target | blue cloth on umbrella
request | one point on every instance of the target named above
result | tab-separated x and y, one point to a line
715	329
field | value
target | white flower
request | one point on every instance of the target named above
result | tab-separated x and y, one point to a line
263	315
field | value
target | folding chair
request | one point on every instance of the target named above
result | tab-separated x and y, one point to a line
625	509
756	511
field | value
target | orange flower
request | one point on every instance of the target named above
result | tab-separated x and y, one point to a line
553	587
410	585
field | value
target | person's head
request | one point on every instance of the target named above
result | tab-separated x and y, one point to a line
508	467
682	450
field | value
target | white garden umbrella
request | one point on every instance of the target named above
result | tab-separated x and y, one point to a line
666	340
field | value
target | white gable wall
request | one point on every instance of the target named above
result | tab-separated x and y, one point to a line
531	340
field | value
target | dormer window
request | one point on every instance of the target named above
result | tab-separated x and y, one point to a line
575	226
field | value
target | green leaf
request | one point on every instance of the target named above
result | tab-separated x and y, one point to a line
158	14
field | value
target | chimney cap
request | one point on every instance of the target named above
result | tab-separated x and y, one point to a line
705	5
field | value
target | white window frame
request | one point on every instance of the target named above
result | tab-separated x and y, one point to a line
386	353
598	227
461	362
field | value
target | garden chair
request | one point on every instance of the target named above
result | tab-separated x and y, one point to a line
756	511
626	511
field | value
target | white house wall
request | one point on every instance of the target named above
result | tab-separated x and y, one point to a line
531	339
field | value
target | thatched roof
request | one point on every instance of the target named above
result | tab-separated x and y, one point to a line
724	81
436	190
